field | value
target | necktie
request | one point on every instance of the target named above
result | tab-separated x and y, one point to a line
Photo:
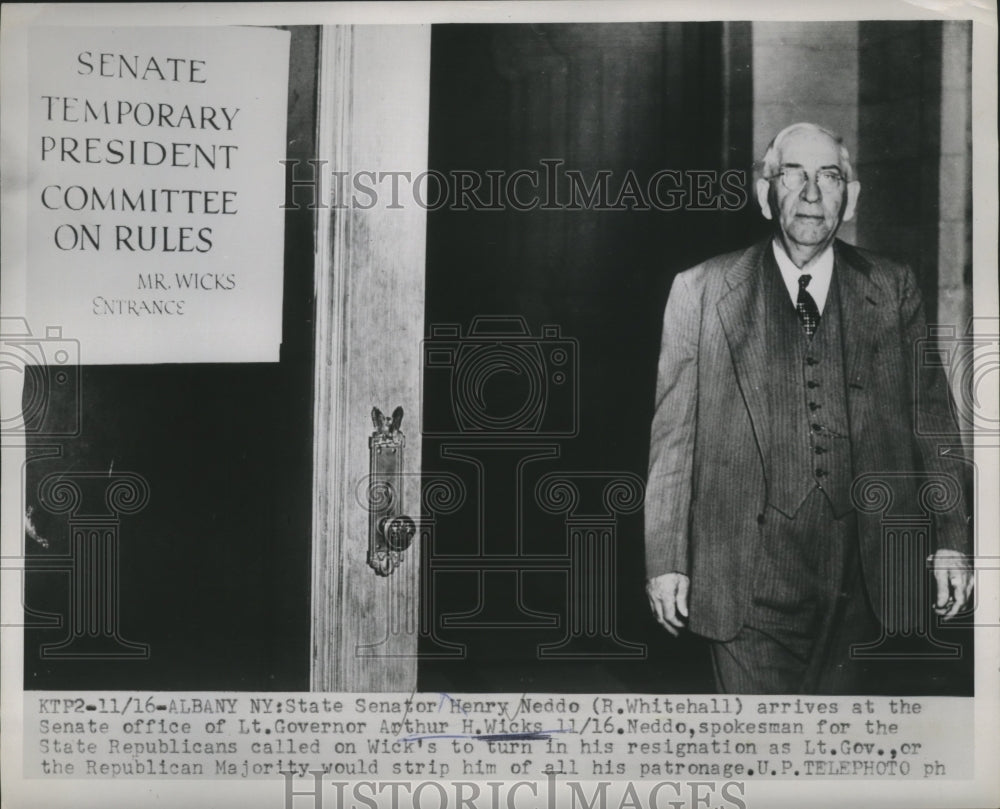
806	307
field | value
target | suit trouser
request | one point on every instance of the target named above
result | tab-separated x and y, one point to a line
808	607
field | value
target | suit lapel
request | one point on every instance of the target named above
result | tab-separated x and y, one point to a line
743	317
860	310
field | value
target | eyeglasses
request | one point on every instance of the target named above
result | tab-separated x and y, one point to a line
827	180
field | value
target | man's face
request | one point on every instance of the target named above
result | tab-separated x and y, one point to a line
809	216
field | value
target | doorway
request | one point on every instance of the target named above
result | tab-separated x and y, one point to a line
523	272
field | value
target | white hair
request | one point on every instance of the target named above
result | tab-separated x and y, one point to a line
770	165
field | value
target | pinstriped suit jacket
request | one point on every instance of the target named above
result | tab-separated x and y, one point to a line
707	478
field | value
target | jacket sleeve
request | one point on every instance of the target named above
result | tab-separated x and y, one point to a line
936	431
672	436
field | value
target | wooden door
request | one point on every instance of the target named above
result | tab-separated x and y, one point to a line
372	117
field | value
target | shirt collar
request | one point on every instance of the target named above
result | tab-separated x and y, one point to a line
821	266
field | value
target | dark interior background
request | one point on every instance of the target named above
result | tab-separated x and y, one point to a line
637	97
618	98
214	571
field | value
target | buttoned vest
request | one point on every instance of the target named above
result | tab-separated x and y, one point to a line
810	446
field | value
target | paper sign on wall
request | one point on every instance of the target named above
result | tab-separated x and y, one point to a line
155	228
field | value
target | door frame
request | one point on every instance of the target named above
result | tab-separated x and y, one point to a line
372	116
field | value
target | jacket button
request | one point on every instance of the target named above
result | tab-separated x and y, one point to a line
760	519
820	473
811	361
812	384
814	406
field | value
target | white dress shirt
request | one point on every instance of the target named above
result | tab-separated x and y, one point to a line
820	268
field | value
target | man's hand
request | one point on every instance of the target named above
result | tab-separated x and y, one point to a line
668	597
952	581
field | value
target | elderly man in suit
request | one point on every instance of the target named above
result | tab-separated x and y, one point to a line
786	372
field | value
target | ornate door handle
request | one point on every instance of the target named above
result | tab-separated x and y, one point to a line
390	531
